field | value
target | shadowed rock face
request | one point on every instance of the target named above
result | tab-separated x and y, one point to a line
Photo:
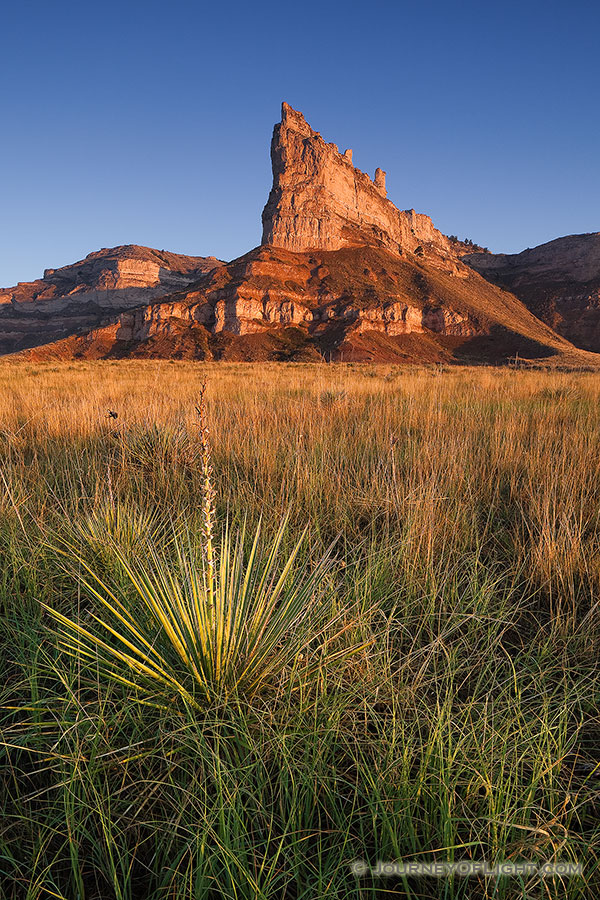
558	281
320	201
81	296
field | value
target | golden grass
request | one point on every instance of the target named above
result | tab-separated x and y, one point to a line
467	504
448	460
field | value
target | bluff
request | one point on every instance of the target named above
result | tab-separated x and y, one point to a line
320	201
558	281
341	274
88	293
363	304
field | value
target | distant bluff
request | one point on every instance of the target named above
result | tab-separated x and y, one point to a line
89	293
558	281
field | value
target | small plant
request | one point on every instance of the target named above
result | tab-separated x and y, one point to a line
125	526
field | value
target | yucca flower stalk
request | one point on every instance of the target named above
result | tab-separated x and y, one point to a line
208	494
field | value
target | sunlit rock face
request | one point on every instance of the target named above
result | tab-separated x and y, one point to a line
83	295
357	303
319	200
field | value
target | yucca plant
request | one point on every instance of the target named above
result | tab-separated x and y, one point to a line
127	525
205	628
172	629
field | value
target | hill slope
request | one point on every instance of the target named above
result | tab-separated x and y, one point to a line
558	281
360	303
88	293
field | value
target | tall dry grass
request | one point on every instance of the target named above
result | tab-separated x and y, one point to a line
465	503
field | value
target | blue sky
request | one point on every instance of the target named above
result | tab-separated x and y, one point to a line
150	123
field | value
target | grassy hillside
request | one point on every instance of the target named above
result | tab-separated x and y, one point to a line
465	508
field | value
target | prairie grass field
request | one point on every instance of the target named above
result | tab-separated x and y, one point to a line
435	699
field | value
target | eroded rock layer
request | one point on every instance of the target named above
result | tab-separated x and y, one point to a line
89	292
359	303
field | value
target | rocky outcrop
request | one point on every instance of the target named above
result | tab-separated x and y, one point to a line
84	295
362	303
559	282
319	200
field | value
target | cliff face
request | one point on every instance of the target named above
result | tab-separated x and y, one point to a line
364	289
320	201
83	295
558	281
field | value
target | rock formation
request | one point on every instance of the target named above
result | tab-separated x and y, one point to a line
320	201
357	303
83	295
558	281
341	274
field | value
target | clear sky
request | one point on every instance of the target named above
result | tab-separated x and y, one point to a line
150	123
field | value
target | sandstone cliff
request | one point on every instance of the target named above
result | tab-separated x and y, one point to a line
83	295
559	281
319	200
